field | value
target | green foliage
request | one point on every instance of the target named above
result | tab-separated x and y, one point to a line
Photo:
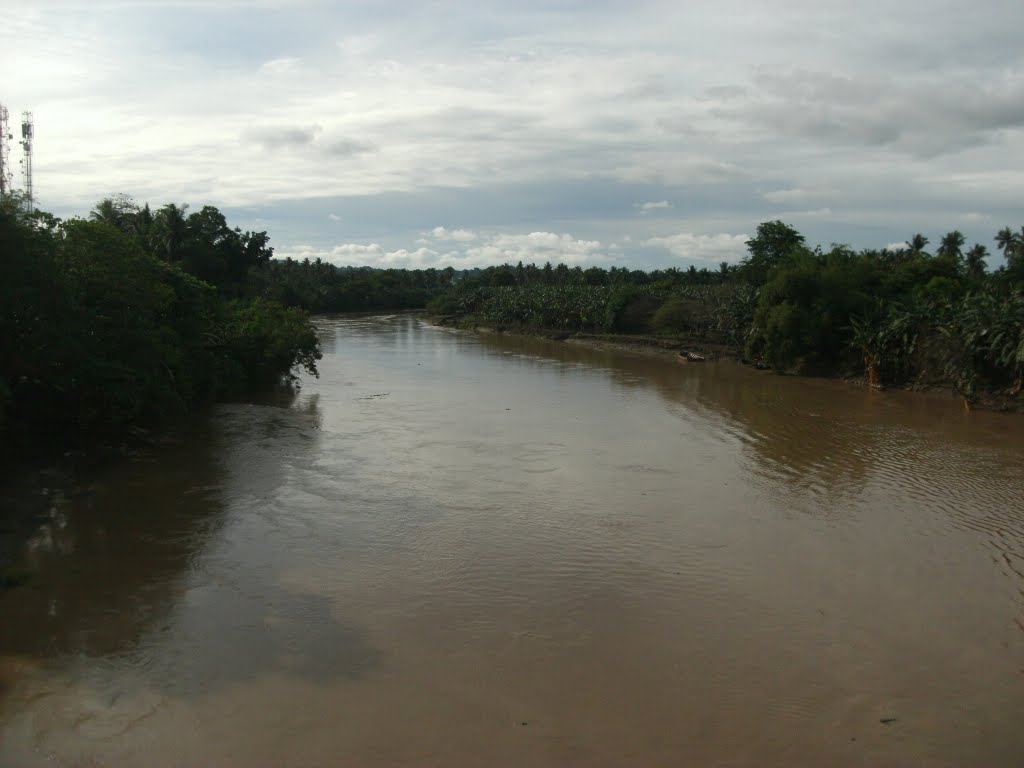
319	287
974	263
986	338
803	313
775	242
888	334
136	317
445	304
264	341
571	307
630	309
115	363
676	315
97	334
898	314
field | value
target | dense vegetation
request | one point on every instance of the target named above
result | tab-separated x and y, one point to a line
902	316
134	317
320	287
131	319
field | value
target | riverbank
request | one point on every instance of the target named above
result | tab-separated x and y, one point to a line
626	342
671	348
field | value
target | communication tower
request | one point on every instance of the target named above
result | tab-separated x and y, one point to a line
6	177
27	134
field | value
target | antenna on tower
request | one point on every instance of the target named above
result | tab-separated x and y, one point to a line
6	177
27	134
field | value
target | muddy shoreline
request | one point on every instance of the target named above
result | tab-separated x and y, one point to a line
668	348
652	345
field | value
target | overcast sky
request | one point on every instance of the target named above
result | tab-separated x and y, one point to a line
473	133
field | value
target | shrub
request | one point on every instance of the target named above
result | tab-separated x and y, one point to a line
676	315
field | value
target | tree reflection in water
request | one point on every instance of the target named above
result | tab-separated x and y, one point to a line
135	567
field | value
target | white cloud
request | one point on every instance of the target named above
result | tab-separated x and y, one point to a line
376	255
493	250
344	254
333	217
651	206
536	247
709	248
280	66
457	235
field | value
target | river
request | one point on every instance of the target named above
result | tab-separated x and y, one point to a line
481	550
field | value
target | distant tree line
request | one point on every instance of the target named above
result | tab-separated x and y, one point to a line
321	287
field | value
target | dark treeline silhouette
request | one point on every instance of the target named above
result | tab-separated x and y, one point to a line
321	287
895	316
130	319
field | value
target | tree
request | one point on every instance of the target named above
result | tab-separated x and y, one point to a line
97	334
171	230
775	242
916	245
1012	245
1008	241
951	245
119	211
143	228
976	265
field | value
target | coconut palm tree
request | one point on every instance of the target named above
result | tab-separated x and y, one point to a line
976	265
951	245
171	229
1010	243
118	211
916	245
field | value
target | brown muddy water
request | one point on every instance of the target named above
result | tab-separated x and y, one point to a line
462	550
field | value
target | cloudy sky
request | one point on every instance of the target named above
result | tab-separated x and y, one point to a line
474	133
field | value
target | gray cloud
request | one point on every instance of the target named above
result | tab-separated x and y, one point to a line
719	93
926	118
284	137
347	147
866	121
800	195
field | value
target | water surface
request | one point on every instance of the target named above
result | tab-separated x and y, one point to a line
482	550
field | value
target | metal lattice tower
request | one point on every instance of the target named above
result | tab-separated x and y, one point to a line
6	177
27	134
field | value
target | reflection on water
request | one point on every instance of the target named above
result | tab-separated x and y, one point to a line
464	550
